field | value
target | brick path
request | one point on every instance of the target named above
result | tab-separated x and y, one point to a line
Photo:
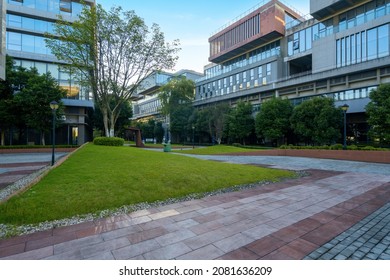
285	220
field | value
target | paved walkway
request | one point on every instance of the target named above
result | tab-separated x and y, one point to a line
295	219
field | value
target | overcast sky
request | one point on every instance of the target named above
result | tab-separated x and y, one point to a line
193	22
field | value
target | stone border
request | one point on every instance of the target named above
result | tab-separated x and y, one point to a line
365	156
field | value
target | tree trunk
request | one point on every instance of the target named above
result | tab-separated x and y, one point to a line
43	138
2	138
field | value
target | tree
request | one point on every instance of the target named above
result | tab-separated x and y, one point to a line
273	120
176	102
317	121
33	100
241	121
378	111
126	112
112	52
6	102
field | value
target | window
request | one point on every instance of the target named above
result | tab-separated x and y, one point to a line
372	43
268	69
383	40
14	41
14	21
260	72
66	6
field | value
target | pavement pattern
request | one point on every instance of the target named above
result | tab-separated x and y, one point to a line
340	211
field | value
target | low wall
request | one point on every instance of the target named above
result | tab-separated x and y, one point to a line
365	156
37	150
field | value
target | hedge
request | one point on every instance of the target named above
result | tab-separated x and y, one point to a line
109	141
333	147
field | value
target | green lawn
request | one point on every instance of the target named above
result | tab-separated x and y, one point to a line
96	178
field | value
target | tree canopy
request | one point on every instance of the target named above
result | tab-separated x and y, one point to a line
317	121
378	111
113	52
273	120
241	121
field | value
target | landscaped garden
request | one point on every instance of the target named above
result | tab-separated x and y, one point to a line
96	178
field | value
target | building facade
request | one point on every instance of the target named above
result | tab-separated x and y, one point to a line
146	103
340	51
26	22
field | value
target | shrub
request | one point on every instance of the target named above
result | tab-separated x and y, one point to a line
336	147
109	141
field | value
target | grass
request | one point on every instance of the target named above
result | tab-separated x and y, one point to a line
96	178
215	150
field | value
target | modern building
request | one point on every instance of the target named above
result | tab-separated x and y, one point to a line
146	103
26	22
341	51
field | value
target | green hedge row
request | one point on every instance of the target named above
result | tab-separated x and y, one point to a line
109	141
334	147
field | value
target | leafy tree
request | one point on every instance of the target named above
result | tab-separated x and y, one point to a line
125	113
6	102
113	52
176	102
241	121
317	121
273	120
378	111
34	98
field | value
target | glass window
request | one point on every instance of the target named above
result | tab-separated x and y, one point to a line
27	64
364	46
260	71
29	3
358	48
308	38
54	6
28	43
268	69
342	48
76	9
380	8
14	21
41	5
383	40
290	42
40	45
14	41
41	26
370	11
372	40
41	67
66	6
360	15
28	23
351	18
237	78
348	50
302	40
338	53
53	69
353	49
16	2
342	22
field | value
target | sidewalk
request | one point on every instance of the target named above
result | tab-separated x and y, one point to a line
294	219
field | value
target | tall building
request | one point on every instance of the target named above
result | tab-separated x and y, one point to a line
26	21
340	51
146	103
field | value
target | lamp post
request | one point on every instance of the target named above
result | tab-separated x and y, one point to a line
345	109
54	107
193	138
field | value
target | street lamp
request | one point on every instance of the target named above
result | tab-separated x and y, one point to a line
54	107
345	109
193	138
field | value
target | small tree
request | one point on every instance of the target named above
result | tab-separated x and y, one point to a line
378	111
241	122
33	101
317	121
176	97
273	120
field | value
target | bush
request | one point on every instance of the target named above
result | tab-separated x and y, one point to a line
109	141
336	147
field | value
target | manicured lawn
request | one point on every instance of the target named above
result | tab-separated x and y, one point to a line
96	178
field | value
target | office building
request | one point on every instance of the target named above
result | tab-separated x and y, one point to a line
26	22
341	50
146	103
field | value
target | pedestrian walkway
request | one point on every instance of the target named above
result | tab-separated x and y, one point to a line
285	220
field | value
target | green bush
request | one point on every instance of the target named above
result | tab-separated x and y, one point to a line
336	147
109	141
16	147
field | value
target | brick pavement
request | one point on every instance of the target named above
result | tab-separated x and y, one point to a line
285	220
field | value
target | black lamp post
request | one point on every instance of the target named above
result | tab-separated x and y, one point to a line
54	107
345	109
193	138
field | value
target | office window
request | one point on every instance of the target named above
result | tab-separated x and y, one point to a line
28	23
66	6
16	2
28	43
14	41
260	72
41	5
383	40
252	74
372	44
29	3
268	69
14	21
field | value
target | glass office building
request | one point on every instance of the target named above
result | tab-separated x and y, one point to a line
26	22
340	51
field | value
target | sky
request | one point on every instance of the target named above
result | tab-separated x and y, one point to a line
193	22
